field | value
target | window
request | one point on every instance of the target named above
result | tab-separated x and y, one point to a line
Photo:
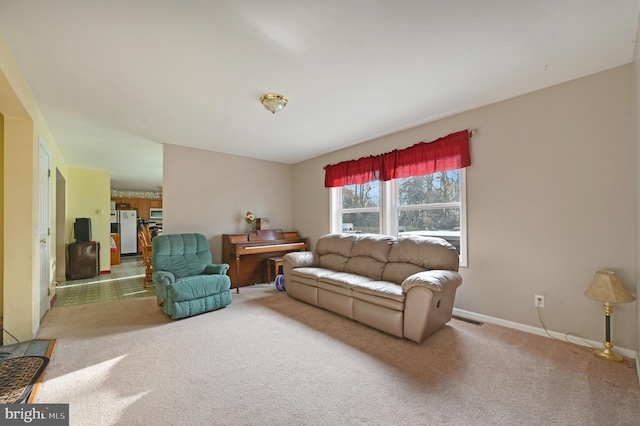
359	208
431	205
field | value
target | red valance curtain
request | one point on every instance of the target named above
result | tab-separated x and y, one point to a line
447	153
362	170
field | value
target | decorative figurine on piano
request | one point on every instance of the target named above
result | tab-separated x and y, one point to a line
249	218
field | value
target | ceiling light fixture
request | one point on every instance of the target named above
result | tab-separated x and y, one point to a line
273	102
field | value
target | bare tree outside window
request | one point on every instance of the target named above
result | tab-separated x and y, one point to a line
430	205
361	195
362	201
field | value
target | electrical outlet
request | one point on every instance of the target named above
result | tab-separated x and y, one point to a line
539	301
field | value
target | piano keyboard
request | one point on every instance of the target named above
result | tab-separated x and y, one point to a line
284	246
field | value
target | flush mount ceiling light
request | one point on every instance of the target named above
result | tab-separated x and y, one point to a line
273	102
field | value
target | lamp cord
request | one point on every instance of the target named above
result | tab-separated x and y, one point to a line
566	338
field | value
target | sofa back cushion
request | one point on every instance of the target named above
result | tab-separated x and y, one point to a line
184	255
369	255
334	250
409	255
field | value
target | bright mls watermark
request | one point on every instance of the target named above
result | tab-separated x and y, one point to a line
34	414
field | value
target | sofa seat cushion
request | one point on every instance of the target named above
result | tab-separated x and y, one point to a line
383	293
198	286
310	275
343	279
339	289
341	282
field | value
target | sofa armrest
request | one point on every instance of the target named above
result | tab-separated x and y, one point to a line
216	269
164	277
435	280
299	259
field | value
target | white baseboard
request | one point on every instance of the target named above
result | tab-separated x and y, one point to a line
628	353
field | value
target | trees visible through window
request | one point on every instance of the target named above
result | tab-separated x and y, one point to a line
360	210
431	205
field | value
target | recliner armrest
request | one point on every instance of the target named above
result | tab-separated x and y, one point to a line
160	276
299	259
436	280
216	269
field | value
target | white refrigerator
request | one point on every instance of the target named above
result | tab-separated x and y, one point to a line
126	225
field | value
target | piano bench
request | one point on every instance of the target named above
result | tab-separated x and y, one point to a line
273	264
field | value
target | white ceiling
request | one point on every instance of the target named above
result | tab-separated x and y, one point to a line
116	79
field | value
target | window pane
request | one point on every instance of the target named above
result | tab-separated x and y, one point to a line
441	187
429	220
356	223
361	195
443	223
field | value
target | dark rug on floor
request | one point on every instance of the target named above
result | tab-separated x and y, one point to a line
17	377
29	347
36	347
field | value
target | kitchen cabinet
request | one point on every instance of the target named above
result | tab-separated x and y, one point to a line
143	208
133	202
141	205
121	203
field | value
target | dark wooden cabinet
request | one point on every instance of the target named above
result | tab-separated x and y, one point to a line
143	208
83	260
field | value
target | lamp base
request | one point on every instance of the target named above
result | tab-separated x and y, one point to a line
608	353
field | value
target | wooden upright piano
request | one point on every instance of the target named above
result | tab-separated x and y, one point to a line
247	254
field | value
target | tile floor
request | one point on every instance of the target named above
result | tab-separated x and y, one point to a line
124	282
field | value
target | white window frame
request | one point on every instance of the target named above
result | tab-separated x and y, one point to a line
337	210
389	209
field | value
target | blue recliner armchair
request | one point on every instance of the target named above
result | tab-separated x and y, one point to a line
187	283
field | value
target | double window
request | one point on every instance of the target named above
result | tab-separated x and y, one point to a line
429	205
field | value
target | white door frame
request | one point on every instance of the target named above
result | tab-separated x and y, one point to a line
44	227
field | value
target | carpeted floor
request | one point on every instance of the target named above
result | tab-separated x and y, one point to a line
267	359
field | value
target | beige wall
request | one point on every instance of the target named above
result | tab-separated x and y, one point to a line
89	195
210	192
550	200
20	274
24	127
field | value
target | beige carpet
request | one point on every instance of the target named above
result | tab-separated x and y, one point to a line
267	359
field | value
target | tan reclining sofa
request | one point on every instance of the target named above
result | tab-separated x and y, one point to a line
403	286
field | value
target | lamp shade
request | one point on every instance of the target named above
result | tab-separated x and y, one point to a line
606	287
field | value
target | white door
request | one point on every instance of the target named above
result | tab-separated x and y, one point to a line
44	230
